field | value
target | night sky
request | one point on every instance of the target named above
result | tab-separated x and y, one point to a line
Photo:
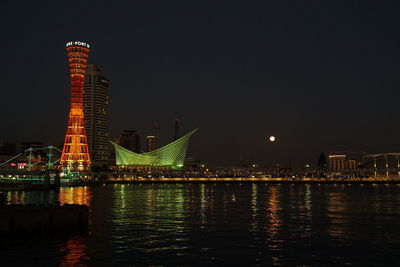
319	75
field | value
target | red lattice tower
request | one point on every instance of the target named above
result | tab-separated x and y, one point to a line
75	154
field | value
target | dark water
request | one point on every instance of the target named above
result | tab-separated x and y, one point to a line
224	225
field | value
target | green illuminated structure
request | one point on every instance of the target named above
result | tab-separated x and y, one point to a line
170	156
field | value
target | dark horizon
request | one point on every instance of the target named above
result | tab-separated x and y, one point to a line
319	76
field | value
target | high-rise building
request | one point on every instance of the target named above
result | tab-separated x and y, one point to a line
176	128
75	154
152	140
130	139
156	131
150	143
96	109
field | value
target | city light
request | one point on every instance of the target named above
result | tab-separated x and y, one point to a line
75	154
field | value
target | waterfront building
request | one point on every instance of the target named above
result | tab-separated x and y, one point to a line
382	162
341	162
171	156
75	154
96	110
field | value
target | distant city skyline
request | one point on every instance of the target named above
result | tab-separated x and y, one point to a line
320	77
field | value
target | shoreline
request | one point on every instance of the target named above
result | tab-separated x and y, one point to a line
214	181
246	181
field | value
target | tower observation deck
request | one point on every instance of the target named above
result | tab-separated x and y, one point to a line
75	153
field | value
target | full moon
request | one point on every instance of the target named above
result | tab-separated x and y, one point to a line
272	138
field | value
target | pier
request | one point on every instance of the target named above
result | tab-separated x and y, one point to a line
23	219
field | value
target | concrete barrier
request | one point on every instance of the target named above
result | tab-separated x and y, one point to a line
21	219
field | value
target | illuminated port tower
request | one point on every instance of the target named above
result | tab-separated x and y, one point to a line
75	154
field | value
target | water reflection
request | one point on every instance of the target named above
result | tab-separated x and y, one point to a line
152	214
336	209
203	203
32	197
274	221
307	199
16	197
75	195
73	252
221	225
254	208
307	213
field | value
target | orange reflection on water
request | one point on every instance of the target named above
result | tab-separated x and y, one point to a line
254	208
74	252
203	204
335	213
305	212
16	197
75	195
274	221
